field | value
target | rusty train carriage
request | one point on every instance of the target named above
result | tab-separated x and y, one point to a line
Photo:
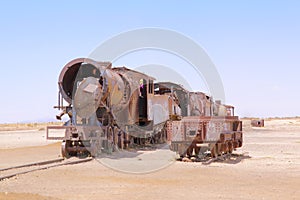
119	108
216	134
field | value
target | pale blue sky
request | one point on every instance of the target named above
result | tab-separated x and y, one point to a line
255	46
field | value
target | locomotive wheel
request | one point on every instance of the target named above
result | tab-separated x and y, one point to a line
213	151
110	133
121	140
225	148
127	141
230	147
115	137
110	137
197	150
219	149
163	136
64	151
181	150
189	151
240	143
93	152
95	148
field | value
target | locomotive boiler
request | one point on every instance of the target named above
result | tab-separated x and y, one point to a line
115	108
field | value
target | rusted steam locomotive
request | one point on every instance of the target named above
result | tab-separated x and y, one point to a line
114	108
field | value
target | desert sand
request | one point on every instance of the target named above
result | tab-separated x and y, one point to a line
266	167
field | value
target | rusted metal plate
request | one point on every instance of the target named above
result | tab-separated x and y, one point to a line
49	136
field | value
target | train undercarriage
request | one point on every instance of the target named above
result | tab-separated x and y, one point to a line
191	141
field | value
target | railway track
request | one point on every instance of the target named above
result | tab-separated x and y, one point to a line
6	173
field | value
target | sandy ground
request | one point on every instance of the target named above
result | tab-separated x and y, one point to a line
268	168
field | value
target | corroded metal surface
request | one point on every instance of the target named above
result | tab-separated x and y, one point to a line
121	108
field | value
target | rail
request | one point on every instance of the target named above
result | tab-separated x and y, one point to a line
36	166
